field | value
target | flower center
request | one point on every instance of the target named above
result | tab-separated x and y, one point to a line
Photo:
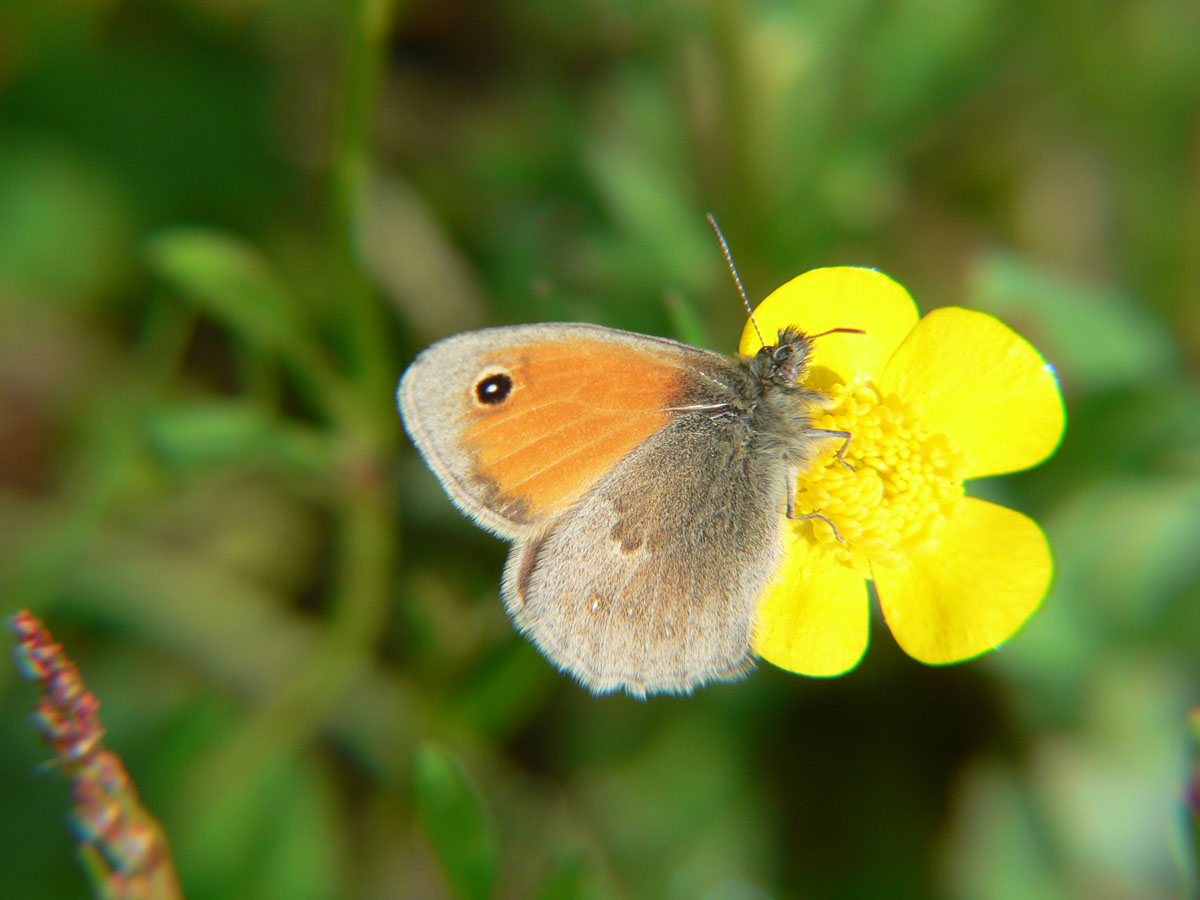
904	482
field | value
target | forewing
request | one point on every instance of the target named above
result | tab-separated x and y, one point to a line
583	397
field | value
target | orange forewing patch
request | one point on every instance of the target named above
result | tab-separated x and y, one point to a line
576	410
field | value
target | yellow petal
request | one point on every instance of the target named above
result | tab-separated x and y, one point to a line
972	591
814	618
839	297
977	381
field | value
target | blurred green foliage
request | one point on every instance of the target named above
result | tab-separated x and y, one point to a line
226	227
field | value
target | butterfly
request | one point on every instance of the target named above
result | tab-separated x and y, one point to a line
644	484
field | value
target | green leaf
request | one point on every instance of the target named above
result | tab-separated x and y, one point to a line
686	320
657	221
508	690
1126	548
272	833
64	224
994	850
229	279
216	433
457	822
1098	338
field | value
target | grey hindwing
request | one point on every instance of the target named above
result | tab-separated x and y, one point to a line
650	583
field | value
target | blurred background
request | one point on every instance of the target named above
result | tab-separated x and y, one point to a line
226	227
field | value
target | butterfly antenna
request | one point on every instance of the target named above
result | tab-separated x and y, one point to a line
737	279
813	337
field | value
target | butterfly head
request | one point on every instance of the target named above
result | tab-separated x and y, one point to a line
786	362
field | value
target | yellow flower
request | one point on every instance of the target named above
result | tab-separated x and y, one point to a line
930	403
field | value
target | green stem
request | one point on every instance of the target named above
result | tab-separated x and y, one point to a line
365	427
364	50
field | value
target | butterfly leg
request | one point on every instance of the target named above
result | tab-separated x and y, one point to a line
846	437
795	517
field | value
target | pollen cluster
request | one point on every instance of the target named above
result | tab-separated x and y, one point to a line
898	486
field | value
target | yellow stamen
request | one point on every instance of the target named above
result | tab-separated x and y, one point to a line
904	484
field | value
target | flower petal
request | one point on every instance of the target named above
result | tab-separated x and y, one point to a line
981	384
815	616
839	297
971	591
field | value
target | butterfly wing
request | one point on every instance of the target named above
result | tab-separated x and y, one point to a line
647	517
519	423
650	583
